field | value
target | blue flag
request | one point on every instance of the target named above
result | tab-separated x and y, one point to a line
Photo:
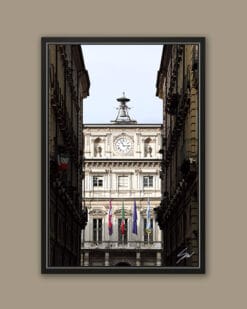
134	220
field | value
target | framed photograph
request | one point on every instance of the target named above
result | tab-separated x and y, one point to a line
123	155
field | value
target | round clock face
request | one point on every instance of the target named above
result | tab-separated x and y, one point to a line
123	145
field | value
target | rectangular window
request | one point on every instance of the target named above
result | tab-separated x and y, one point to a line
123	182
97	230
150	233
123	238
97	181
147	181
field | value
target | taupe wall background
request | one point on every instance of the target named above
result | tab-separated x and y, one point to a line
22	23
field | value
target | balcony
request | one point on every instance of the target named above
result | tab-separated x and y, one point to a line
118	245
148	192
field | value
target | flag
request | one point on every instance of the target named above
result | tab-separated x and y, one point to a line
63	162
123	220
148	224
134	220
110	219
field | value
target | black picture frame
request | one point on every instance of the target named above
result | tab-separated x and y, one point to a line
45	268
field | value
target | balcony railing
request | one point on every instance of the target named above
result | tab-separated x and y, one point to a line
149	192
114	245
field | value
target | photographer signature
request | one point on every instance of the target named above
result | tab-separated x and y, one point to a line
184	254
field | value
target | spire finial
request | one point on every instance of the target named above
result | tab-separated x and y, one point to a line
123	114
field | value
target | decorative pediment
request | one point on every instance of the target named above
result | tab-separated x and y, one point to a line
118	212
143	212
97	212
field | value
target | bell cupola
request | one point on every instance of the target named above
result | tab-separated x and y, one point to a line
123	113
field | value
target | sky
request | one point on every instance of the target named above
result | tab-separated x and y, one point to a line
114	69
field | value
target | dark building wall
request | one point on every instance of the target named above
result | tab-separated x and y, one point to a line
178	214
68	85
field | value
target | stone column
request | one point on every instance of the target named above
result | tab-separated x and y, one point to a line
108	135
86	259
138	182
106	258
138	146
91	147
138	259
107	183
131	185
158	259
110	182
158	143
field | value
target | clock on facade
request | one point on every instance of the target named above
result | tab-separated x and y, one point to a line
123	145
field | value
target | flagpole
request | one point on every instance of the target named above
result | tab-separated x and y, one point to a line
123	223
111	221
148	221
110	225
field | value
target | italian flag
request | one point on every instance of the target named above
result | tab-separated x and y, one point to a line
63	162
123	220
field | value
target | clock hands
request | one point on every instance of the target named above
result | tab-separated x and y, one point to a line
123	145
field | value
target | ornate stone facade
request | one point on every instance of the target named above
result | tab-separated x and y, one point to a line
119	167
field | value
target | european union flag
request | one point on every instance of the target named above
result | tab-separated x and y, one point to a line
134	220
